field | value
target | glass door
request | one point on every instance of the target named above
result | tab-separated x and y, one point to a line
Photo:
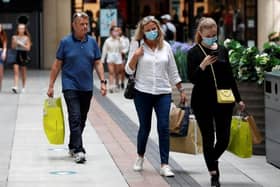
250	11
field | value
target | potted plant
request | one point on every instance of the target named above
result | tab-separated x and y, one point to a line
180	51
249	64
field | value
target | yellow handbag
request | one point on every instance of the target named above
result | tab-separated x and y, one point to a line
223	95
53	121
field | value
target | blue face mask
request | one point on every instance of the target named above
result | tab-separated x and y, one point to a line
209	41
151	35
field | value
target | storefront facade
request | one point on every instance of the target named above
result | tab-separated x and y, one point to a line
50	20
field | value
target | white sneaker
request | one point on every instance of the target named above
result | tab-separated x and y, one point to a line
23	90
15	89
79	157
138	165
166	171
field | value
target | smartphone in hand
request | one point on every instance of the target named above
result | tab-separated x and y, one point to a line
214	53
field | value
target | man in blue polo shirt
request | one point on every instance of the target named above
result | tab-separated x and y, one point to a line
76	57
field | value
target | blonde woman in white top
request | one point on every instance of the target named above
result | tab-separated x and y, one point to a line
112	52
156	71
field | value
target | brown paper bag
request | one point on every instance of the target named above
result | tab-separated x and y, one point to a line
256	135
192	143
175	118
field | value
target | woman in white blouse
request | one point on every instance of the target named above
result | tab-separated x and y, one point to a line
156	71
111	50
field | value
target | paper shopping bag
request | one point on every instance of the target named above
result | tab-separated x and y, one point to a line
179	120
53	121
256	135
175	118
240	142
192	143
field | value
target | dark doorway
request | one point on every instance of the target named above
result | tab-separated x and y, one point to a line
29	12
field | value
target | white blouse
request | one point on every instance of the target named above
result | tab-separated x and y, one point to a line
125	44
156	70
112	48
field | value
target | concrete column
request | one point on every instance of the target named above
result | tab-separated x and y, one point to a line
56	24
268	19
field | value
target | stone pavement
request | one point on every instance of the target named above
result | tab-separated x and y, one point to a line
27	159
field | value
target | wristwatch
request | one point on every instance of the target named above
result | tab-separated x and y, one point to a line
103	81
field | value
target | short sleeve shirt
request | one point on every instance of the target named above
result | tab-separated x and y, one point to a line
78	59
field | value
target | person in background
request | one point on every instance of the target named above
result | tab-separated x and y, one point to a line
274	37
3	52
169	28
21	42
112	53
228	21
199	14
77	55
155	68
125	47
214	119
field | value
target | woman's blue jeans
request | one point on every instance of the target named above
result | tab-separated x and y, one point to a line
78	103
145	103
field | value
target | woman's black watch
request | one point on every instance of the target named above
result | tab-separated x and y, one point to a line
103	81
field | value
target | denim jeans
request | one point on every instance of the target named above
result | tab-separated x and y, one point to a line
78	103
145	103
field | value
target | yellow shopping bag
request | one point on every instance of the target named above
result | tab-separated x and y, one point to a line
240	142
53	120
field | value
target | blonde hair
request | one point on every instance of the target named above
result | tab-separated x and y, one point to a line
139	33
204	23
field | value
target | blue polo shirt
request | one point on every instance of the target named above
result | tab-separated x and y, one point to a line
78	59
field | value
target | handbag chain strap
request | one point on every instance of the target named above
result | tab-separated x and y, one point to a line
212	69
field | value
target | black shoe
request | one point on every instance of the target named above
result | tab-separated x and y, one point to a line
215	180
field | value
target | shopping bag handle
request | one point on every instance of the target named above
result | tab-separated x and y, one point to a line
246	113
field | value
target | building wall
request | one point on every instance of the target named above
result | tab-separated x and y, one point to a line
268	19
56	24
